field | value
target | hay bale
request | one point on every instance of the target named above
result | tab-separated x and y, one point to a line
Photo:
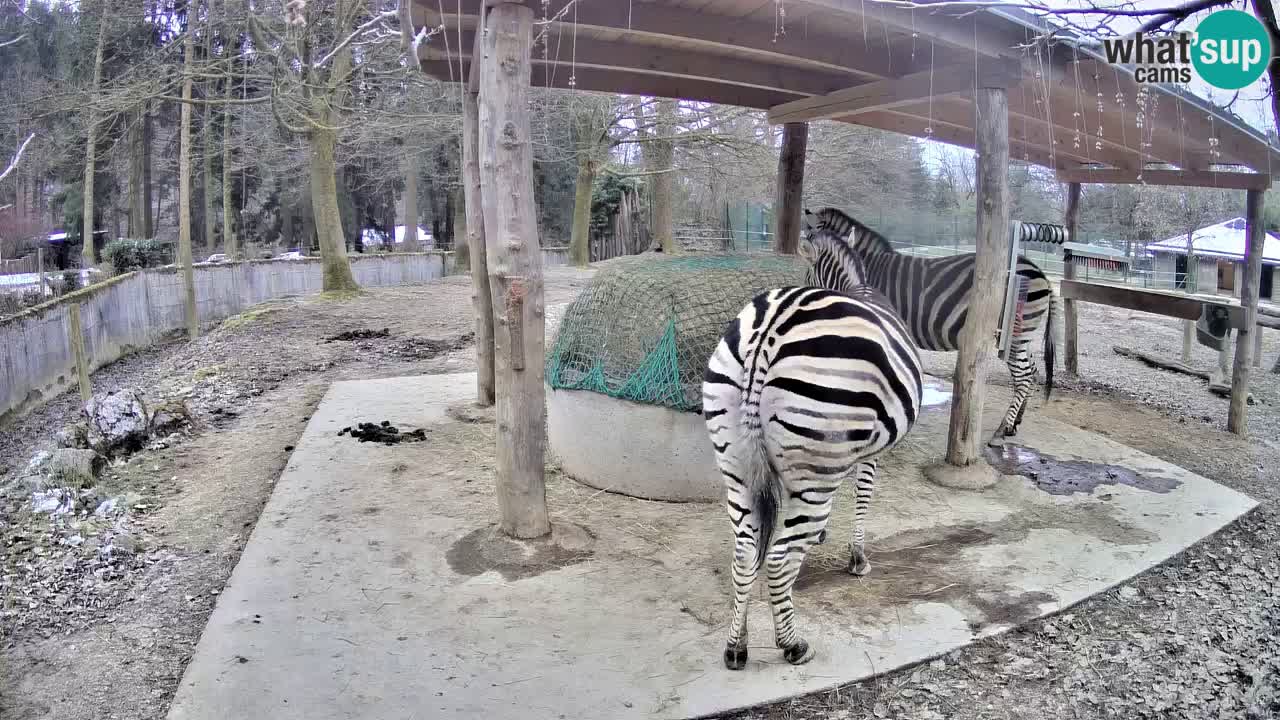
644	327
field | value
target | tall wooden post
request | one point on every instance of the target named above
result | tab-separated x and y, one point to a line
75	336
790	190
1237	415
514	266
40	270
481	297
977	337
1070	316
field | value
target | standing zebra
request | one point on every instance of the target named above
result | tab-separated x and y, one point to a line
807	384
932	295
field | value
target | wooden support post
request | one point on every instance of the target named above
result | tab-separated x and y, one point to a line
977	337
1237	415
1070	316
1257	346
40	270
75	337
481	297
790	190
514	267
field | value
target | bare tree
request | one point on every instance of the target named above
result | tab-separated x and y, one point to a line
17	157
88	254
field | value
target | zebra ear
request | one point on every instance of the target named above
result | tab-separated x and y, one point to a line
806	249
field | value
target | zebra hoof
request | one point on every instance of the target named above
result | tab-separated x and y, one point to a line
822	537
997	440
858	564
798	654
735	658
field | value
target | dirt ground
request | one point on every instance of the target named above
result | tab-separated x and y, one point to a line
1196	637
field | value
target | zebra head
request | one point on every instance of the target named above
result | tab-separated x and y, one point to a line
833	263
862	238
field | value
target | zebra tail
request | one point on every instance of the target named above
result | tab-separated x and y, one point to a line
764	487
1051	330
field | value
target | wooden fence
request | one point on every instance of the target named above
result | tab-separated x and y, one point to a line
18	266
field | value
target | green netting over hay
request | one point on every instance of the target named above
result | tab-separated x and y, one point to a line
644	327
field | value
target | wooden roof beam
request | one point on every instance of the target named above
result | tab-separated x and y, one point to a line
649	60
1180	178
814	48
1027	131
895	92
961	135
629	83
957	30
1187	121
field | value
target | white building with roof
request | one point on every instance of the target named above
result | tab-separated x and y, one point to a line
1219	252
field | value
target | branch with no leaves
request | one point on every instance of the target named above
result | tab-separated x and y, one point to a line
17	157
376	20
14	41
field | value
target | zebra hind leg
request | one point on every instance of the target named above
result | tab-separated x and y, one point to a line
786	556
743	574
865	484
1022	372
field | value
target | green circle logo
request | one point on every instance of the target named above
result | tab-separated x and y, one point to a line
1232	49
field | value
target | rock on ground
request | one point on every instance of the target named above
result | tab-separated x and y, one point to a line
118	422
63	467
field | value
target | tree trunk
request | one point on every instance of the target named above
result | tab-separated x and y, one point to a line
137	212
579	235
1071	316
664	182
150	221
184	191
206	125
1190	281
287	231
206	182
515	270
410	203
231	243
481	295
989	280
328	218
1237	413
790	189
88	255
449	213
461	246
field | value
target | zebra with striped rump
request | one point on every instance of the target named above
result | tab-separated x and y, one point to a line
807	385
932	296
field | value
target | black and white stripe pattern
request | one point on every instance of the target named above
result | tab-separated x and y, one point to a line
807	385
932	296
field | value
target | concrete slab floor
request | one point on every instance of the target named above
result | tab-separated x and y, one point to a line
367	589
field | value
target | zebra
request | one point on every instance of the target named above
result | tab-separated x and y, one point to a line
932	295
806	385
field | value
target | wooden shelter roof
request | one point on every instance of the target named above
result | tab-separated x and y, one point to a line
882	66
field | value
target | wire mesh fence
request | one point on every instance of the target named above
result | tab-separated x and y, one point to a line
642	330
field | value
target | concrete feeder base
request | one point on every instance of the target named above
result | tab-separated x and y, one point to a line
644	451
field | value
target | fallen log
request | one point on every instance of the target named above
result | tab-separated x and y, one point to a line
1159	362
1217	388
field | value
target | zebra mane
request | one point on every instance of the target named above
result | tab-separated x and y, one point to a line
845	226
834	264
